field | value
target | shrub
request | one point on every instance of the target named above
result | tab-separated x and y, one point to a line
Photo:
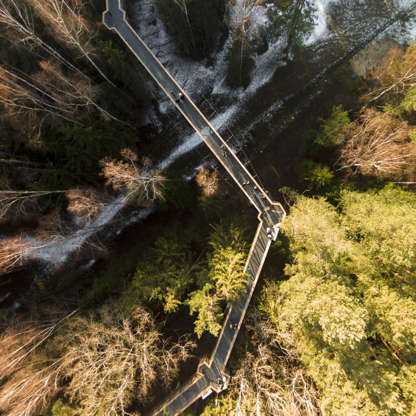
333	129
316	175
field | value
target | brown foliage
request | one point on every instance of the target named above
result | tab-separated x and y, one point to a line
20	24
65	21
28	379
114	357
377	144
13	251
107	358
207	180
85	204
28	96
30	389
269	380
48	92
128	176
396	73
63	17
76	93
18	19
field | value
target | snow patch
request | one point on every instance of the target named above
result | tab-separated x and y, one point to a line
88	265
193	140
321	26
57	252
197	78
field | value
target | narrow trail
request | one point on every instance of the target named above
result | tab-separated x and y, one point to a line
211	375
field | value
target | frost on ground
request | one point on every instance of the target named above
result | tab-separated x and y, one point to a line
194	77
321	26
407	32
193	140
198	79
57	251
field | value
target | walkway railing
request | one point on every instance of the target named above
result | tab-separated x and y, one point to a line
212	375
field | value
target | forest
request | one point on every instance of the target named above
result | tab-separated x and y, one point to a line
331	329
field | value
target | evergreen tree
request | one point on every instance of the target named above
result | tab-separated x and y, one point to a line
292	21
315	174
164	276
223	280
383	223
205	303
344	307
196	24
332	130
240	61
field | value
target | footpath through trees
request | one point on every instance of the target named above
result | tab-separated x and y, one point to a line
212	375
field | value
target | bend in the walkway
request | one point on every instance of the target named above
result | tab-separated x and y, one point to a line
211	376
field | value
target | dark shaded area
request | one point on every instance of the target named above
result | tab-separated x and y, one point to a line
197	25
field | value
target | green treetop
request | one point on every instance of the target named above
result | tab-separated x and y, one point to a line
344	307
222	281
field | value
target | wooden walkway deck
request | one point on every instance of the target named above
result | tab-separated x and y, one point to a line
212	375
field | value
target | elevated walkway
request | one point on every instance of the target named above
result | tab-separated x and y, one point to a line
212	375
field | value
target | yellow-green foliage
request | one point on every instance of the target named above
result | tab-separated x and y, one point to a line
222	281
60	408
349	304
164	275
332	130
223	406
316	175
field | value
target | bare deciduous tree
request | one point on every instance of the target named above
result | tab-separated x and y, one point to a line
21	338
117	357
242	24
18	202
85	204
183	5
22	94
207	180
108	358
139	181
14	251
19	19
49	92
243	13
29	381
377	145
268	381
396	73
30	389
75	91
65	20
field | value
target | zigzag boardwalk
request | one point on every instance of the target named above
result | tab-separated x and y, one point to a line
211	375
